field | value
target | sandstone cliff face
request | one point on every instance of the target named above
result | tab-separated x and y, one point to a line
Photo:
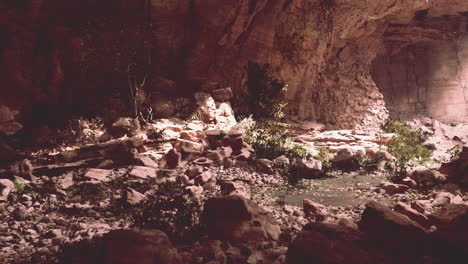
430	75
322	49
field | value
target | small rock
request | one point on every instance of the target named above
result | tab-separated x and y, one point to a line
147	162
142	172
392	188
98	175
315	210
133	196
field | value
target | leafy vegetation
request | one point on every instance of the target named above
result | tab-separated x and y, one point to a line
269	140
169	209
406	146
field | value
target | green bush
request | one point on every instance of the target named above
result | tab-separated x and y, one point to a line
407	145
269	140
170	210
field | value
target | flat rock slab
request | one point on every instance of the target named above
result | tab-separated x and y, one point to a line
143	172
98	175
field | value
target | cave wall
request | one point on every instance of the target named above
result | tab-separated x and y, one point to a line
72	54
430	77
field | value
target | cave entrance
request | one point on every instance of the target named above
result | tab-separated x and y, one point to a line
427	78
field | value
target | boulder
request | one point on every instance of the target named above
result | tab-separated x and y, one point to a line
423	175
124	247
142	172
332	244
6	186
185	146
393	188
264	166
392	231
234	218
125	126
412	214
234	188
456	170
310	169
442	198
347	159
314	210
172	158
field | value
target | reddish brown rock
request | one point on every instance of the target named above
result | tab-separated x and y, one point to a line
235	218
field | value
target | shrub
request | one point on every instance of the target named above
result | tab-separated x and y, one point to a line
269	140
170	210
407	145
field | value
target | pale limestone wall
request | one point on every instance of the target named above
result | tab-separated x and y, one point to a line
429	79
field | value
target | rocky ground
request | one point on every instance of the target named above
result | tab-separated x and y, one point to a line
200	184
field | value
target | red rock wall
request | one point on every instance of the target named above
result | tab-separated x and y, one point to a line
68	56
429	77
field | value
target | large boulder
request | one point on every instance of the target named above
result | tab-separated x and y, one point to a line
348	159
310	169
234	218
457	170
392	231
332	244
125	247
424	175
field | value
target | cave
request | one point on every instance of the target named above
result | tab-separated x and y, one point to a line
233	131
428	76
